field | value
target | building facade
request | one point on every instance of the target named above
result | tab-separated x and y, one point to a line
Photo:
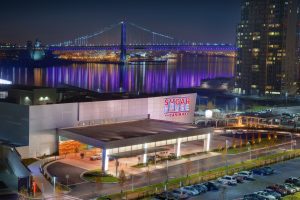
267	41
34	128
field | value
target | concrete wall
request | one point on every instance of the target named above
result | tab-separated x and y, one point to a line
35	126
113	109
14	123
43	122
127	108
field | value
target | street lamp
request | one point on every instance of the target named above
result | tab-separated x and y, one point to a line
226	151
249	149
54	184
291	140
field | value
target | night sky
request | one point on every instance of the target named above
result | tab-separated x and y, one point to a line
58	20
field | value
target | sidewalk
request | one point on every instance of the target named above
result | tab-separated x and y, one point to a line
136	171
41	181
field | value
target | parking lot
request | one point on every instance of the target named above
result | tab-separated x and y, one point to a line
283	171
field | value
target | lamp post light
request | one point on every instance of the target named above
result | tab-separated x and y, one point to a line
291	140
249	149
226	151
132	182
54	184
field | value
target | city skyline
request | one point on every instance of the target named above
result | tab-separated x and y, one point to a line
68	19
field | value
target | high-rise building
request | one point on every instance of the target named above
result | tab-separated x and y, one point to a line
267	41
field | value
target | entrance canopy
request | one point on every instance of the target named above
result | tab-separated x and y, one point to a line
131	133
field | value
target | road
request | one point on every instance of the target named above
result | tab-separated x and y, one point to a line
89	190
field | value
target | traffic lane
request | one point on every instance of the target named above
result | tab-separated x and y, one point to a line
62	170
284	170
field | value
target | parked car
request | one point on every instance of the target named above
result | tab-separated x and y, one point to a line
293	180
179	194
274	193
297	188
200	187
277	188
239	179
189	190
253	197
165	195
96	157
263	171
248	175
227	180
211	186
290	190
265	195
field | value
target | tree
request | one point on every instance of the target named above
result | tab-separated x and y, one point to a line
148	174
234	141
210	105
241	141
122	179
253	139
188	167
259	137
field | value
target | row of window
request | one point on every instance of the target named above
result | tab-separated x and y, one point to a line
155	144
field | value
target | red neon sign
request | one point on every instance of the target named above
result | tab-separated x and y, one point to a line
177	106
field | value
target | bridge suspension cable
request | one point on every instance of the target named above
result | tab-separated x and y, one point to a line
152	32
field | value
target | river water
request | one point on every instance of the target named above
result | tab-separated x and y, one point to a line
161	77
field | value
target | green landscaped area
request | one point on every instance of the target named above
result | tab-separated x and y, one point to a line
98	176
295	196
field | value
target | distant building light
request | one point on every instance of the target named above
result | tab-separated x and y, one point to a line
208	114
41	98
2	81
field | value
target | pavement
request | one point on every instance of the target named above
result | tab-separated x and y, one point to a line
87	190
284	170
41	181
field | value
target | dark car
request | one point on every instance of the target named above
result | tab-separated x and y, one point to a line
253	197
278	188
239	179
293	180
263	171
273	193
211	186
165	195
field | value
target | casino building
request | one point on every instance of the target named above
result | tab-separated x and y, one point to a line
38	120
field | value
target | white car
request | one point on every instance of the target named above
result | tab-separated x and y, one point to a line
245	174
96	157
265	195
227	180
189	190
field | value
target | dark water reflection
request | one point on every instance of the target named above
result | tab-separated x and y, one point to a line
166	77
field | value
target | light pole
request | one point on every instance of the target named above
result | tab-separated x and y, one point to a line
132	182
226	151
167	168
291	140
236	104
249	149
286	97
54	184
